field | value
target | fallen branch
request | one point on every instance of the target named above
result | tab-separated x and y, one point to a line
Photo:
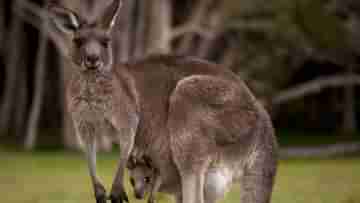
314	86
320	151
264	25
192	28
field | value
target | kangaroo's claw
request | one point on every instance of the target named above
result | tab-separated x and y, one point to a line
121	198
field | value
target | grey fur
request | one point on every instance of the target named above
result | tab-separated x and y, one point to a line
183	113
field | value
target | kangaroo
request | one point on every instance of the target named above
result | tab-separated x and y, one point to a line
183	113
101	101
144	178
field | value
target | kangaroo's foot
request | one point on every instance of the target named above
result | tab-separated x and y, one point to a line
119	196
151	199
100	193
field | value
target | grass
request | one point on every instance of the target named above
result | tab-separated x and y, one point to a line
59	177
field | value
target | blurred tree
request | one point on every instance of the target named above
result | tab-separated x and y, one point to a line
12	39
143	29
282	36
270	44
2	26
39	86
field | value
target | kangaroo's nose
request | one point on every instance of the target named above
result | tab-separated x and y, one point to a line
92	61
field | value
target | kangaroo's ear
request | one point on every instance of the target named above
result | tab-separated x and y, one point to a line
111	14
64	19
147	161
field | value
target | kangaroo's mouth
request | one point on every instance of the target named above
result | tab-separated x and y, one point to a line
92	67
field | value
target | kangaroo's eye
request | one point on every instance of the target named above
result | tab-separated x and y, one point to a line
79	41
147	179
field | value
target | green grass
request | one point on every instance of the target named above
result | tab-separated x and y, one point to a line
58	177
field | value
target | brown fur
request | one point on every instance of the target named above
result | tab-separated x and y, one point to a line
183	113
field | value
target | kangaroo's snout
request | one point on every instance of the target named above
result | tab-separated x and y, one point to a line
92	62
92	52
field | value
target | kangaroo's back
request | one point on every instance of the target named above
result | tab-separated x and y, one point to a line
157	77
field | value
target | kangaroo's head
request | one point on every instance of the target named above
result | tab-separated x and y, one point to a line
87	34
142	176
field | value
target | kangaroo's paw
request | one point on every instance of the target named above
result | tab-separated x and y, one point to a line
119	197
151	199
100	194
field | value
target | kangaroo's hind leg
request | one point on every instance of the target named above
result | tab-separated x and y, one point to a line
258	179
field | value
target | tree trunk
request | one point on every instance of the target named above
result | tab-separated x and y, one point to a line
22	98
32	127
2	26
11	63
140	30
349	117
208	43
160	27
123	33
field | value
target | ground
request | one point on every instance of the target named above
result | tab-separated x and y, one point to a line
54	177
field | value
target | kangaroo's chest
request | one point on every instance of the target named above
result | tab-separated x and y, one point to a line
90	99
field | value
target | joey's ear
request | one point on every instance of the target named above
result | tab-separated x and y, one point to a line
64	19
147	161
111	14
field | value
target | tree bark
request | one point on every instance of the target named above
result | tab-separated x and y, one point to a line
22	98
35	16
32	127
159	32
11	62
349	116
123	33
2	26
140	30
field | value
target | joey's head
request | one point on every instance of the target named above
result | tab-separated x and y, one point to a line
86	35
142	177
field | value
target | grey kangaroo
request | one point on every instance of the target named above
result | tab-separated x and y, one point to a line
183	113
